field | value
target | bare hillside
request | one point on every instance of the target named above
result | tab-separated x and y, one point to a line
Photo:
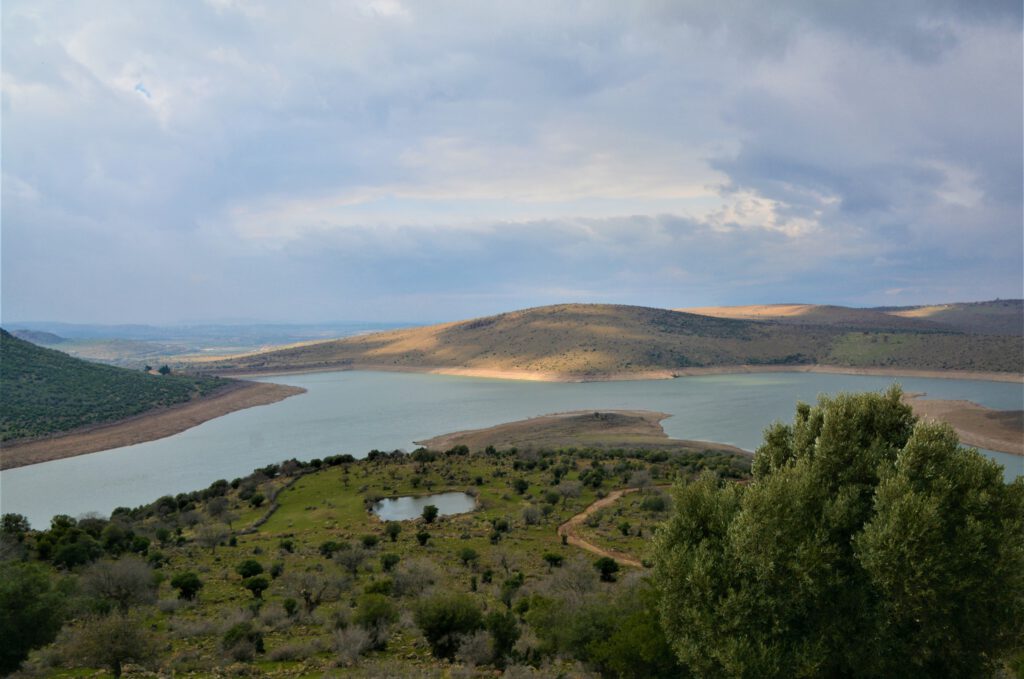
598	341
819	314
998	317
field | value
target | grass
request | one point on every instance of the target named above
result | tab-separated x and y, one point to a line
331	504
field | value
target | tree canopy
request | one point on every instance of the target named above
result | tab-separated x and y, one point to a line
868	544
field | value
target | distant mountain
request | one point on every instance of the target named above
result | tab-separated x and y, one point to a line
47	392
597	341
38	337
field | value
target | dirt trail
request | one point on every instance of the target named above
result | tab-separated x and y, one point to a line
568	529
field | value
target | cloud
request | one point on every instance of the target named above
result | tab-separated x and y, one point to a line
238	156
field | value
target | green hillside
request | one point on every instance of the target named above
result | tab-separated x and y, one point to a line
46	392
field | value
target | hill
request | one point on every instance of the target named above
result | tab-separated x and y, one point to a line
39	337
47	392
601	341
998	317
818	314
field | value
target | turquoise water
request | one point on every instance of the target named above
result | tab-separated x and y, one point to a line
411	506
354	412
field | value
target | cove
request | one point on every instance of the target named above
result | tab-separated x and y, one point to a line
411	506
355	412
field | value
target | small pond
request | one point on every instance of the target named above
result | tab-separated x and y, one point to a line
411	507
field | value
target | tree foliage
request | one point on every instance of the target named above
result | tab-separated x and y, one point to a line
32	609
867	545
113	641
444	618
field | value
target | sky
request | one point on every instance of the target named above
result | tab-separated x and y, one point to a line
167	162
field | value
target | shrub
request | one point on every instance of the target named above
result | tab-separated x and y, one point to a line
654	503
242	640
607	567
389	561
468	556
443	618
249	568
375	613
504	634
430	513
257	585
32	608
350	643
188	585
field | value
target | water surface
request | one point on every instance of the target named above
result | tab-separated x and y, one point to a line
411	506
354	412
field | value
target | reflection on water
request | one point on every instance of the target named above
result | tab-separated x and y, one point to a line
411	507
355	412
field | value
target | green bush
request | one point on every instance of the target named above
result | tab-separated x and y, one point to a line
444	618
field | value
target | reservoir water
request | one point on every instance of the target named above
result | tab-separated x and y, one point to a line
355	412
411	506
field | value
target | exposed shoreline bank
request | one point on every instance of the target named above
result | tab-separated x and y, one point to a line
976	425
148	426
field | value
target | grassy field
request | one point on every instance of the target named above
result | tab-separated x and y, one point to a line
595	341
47	392
499	555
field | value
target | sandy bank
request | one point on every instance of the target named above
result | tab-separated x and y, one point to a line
601	429
1001	430
539	376
145	427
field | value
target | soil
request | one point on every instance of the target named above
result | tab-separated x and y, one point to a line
1001	430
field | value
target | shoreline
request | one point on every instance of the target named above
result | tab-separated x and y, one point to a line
548	376
148	426
976	425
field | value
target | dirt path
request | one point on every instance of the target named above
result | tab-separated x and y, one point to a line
568	529
145	427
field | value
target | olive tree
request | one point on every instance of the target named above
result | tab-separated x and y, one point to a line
867	544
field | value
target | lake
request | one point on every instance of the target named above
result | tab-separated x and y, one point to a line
411	506
355	412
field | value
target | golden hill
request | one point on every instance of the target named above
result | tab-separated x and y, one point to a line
999	317
601	341
819	314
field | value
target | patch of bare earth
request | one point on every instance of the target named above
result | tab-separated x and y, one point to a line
1001	430
155	424
600	429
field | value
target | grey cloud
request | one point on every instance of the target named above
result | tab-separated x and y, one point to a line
547	150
